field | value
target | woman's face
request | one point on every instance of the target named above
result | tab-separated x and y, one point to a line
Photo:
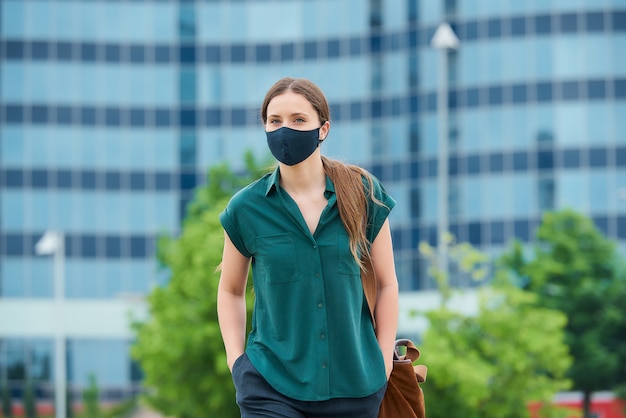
294	111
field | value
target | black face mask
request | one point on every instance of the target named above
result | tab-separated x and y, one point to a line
290	146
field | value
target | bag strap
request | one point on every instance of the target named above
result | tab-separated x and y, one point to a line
412	354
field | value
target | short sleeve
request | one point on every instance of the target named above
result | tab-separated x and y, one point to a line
377	212
230	225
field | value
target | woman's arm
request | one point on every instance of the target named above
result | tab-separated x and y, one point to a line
386	313
231	300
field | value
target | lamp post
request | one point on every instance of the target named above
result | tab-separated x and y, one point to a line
443	40
53	243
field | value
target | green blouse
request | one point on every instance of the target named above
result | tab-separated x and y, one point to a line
312	337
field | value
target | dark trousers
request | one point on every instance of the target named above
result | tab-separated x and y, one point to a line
256	398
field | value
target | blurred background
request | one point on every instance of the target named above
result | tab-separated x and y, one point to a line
111	112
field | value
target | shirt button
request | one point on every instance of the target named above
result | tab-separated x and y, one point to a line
322	336
317	275
323	365
320	305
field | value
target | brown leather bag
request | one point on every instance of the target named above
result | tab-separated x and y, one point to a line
404	397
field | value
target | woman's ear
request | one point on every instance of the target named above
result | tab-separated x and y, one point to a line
324	129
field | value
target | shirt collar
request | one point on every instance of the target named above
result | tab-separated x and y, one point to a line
273	183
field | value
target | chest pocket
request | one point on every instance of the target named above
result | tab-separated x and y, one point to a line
276	259
346	262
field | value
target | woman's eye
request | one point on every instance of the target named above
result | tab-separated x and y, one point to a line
299	120
274	121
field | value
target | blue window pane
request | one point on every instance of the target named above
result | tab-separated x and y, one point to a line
162	54
39	114
137	117
597	157
64	179
521	230
473	164
472	97
495	95
162	117
212	54
64	51
620	89
287	52
14	178
187	54
496	163
112	181
497	233
112	53
519	93
621	227
520	161
113	246
88	52
310	50
475	233
64	115
238	53
39	178
14	50
356	47
544	92
619	21
596	89
568	22
138	54
88	180
14	114
570	90
571	158
620	157
543	24
263	53
518	26
39	50
88	245
545	160
137	247
471	30
187	118
137	181
332	48
594	21
112	117
494	28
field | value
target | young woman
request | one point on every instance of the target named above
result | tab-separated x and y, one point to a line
305	230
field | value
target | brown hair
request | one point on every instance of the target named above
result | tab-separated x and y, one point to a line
347	178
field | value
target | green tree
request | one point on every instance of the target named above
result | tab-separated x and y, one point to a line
180	348
91	398
7	407
494	362
30	403
575	269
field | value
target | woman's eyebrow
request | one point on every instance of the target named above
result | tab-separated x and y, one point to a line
292	115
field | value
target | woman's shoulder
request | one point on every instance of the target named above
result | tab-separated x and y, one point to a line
252	192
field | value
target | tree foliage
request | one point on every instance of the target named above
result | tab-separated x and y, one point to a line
91	398
7	406
575	269
495	362
180	347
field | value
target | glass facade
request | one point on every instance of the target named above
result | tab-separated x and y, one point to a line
112	112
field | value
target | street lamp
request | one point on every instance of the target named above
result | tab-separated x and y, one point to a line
53	243
443	40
